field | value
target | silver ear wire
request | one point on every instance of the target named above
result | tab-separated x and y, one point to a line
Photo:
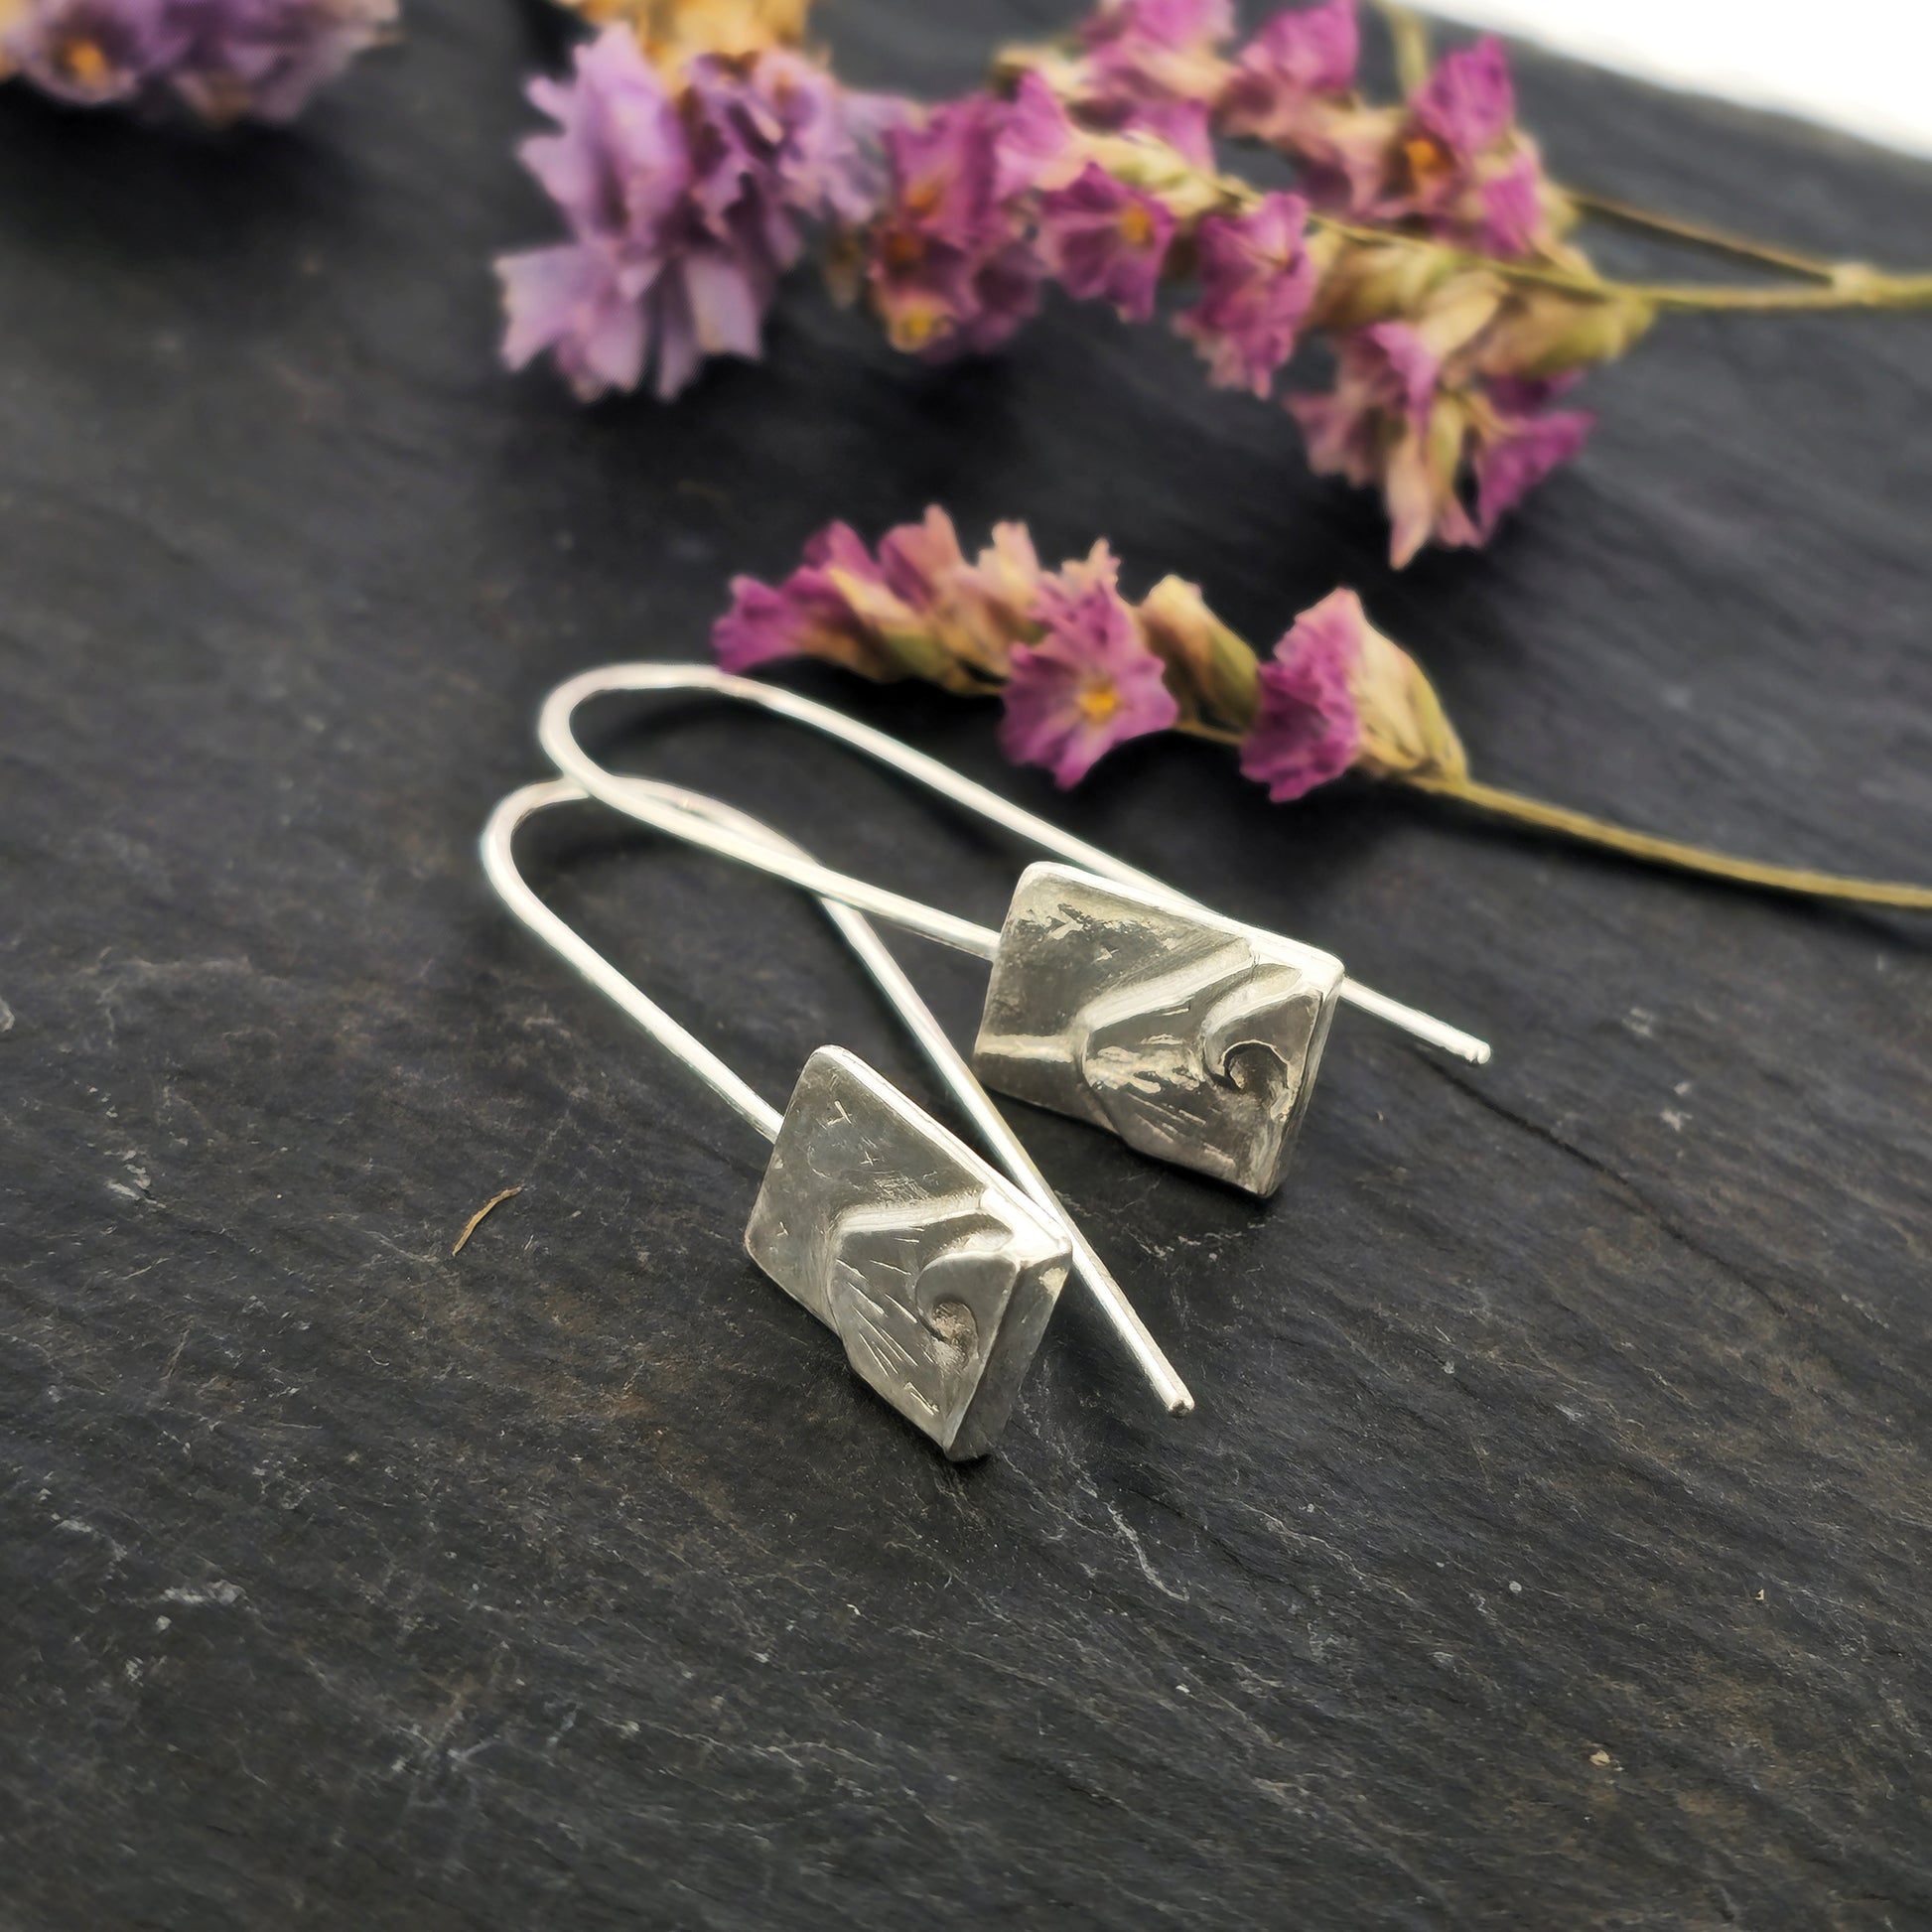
556	733
1194	1038
937	1272
500	864
642	796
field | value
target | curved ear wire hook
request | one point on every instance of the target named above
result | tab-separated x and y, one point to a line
500	864
951	1066
937	1274
559	740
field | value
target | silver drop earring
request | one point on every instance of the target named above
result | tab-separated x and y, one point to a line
1113	997
939	1274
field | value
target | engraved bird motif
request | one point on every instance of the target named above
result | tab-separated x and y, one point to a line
1201	1064
916	1290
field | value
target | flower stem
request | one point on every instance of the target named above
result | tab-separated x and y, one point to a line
1215	733
1409	34
1720	240
1192	190
1674	852
1851	284
1855	288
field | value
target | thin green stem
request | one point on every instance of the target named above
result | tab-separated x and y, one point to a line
1852	287
1849	284
1217	734
1675	853
1861	290
1409	35
1720	240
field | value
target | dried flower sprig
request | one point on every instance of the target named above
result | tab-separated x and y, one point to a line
1424	241
220	60
1079	668
685	199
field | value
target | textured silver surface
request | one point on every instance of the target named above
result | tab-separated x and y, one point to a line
1193	1038
936	1274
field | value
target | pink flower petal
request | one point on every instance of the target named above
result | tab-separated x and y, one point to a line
1090	684
1257	283
1307	726
1469	102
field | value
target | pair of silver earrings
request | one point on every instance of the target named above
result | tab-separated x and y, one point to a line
1112	997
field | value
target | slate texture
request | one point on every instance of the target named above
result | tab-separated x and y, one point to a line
1549	1548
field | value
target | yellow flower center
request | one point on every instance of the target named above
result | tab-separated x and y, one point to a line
1098	703
1135	226
1429	160
81	61
915	326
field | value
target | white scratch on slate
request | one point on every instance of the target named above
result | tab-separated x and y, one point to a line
1140	1556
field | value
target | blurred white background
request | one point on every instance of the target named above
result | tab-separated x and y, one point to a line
1864	66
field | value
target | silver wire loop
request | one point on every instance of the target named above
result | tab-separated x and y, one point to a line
555	731
500	863
690	807
953	1070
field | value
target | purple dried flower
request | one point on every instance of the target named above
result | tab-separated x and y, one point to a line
94	52
919	608
1398	422
952	268
1380	427
1301	53
684	208
1154	65
1105	241
1307	727
1038	145
1461	167
226	60
1509	207
1085	670
1469	103
1257	281
264	61
811	614
1385	380
1338	696
577	302
1089	684
1518	441
1142	29
1293	87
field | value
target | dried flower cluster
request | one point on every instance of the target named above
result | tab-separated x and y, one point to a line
685	198
222	61
685	177
1081	667
1423	244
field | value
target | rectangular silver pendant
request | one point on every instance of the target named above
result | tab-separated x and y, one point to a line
935	1272
1192	1038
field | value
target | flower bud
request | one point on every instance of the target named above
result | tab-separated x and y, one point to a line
1405	732
1365	282
1210	670
1338	696
1159	169
1546	332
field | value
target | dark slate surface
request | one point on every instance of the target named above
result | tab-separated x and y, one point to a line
1549	1546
